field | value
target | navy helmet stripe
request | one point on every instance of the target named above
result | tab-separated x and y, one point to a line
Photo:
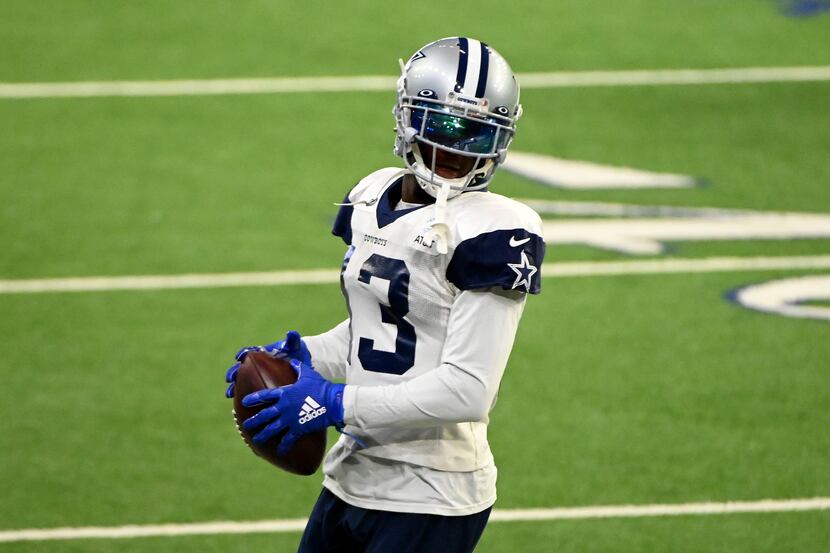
482	74
461	74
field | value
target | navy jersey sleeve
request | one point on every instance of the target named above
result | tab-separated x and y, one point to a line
511	259
343	222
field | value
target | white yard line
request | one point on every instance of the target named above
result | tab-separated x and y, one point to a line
386	83
668	266
660	510
675	77
327	276
167	282
498	515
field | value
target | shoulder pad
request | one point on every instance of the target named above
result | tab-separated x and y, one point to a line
499	243
474	213
509	258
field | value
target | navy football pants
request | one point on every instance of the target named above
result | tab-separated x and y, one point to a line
337	527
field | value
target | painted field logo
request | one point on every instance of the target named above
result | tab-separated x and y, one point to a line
645	230
790	297
586	175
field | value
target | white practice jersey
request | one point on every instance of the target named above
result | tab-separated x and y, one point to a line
425	346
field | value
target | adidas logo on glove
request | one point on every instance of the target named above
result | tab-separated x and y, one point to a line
311	410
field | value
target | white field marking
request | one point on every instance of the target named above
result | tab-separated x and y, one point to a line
385	83
167	282
786	296
498	515
642	230
675	76
327	276
196	87
680	265
586	175
609	209
153	530
646	236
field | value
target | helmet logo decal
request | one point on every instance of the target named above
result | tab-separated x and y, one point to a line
416	56
427	93
502	110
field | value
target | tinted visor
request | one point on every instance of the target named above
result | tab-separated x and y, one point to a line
457	132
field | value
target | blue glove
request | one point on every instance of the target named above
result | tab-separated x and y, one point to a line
293	347
310	404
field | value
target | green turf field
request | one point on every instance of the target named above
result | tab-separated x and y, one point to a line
627	389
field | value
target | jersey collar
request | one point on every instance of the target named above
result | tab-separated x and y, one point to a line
385	211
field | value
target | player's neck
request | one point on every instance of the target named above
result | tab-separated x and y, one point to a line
414	194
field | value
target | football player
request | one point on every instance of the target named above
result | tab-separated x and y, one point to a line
436	274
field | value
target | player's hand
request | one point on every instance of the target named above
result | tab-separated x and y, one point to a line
310	404
293	347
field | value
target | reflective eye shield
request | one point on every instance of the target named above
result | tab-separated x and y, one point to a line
460	133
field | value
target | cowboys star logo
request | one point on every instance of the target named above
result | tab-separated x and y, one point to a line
524	272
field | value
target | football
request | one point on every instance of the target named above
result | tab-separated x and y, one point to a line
260	371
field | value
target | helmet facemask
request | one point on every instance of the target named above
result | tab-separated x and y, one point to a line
462	130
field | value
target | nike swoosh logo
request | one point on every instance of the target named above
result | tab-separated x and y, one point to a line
514	243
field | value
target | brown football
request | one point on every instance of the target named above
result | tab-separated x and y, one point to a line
260	371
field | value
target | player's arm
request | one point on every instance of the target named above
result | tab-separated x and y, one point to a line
494	270
480	334
463	388
330	351
481	329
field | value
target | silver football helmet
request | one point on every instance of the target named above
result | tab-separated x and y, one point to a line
458	95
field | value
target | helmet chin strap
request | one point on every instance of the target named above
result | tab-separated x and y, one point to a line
441	188
439	229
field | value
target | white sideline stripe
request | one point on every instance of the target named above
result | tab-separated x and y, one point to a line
384	83
498	515
326	276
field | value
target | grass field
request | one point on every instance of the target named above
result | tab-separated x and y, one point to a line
641	389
